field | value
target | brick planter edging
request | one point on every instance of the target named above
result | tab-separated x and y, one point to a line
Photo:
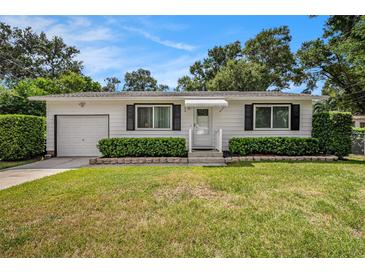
281	158
182	160
138	160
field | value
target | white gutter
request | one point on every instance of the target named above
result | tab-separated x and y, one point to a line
175	98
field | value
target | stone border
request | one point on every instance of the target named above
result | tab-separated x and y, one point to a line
182	160
138	160
281	158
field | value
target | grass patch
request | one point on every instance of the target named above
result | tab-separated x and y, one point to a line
7	164
254	209
355	157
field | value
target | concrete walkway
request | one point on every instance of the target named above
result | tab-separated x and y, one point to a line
21	174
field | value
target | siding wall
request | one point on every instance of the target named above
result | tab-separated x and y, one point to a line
231	119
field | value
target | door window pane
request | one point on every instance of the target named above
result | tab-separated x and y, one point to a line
144	117
162	117
202	112
280	117
202	121
263	117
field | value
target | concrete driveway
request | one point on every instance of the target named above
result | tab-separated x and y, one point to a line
21	174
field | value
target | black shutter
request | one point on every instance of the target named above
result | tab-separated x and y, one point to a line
130	117
295	117
248	117
176	117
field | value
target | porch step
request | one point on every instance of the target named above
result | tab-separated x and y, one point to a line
205	153
216	160
208	164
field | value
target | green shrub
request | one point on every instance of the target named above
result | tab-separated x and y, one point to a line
143	147
358	129
290	146
321	130
333	130
21	136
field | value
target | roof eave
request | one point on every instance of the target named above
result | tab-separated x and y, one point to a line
175	98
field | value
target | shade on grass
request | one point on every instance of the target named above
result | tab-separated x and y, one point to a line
257	209
7	164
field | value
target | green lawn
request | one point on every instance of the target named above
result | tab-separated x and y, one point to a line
7	164
257	209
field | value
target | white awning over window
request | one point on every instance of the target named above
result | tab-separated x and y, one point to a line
206	103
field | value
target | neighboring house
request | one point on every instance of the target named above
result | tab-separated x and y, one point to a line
359	121
75	122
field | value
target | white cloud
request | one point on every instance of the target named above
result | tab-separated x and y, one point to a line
37	23
72	34
167	43
169	72
76	29
80	21
104	53
110	58
148	22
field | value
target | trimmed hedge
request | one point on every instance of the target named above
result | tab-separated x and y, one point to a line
333	130
358	129
21	136
143	147
288	146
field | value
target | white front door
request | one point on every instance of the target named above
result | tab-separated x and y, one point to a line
202	131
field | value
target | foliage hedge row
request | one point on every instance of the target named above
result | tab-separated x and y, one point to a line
21	136
143	147
289	146
358	129
333	130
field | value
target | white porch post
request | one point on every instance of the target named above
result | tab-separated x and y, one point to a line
190	140
220	138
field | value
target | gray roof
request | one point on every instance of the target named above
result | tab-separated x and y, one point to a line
173	94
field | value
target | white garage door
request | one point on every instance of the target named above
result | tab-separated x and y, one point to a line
79	135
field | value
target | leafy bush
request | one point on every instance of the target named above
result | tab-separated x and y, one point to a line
290	146
21	136
143	147
358	129
321	130
333	130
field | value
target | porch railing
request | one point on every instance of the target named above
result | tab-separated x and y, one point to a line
218	140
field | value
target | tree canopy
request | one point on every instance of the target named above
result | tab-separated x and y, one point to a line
15	99
26	54
142	79
338	60
112	84
266	57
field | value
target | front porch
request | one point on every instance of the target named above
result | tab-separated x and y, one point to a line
204	139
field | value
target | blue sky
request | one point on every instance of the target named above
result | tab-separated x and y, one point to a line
165	45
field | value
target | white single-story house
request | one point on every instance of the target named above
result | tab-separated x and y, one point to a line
207	119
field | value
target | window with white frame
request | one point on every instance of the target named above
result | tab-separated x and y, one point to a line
272	117
153	117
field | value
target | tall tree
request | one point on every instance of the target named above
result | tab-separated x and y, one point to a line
112	84
205	70
26	54
15	100
271	48
338	60
140	80
240	75
269	51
